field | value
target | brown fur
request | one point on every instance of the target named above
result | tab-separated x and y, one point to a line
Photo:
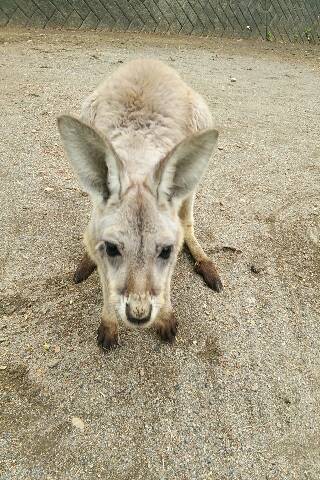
166	326
207	269
85	268
107	334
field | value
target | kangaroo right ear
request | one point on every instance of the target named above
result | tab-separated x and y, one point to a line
93	158
178	174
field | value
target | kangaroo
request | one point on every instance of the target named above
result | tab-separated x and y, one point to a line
140	149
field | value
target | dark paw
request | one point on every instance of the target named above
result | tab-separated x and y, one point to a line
168	330
85	268
210	275
107	337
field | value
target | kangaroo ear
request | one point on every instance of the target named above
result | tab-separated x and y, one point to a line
93	158
180	171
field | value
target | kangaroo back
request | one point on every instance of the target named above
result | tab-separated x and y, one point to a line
144	107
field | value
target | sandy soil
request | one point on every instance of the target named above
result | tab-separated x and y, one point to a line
238	396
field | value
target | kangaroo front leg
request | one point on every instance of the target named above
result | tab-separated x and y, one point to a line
166	323
84	269
204	266
108	329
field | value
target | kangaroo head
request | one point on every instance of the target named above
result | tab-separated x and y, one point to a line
135	234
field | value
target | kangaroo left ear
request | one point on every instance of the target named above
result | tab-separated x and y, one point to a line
180	171
92	157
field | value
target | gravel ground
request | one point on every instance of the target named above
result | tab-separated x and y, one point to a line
238	396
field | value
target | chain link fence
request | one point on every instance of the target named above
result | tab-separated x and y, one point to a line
284	20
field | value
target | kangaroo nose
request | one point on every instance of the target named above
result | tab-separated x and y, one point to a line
137	317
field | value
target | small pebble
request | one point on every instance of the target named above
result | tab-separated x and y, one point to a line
77	422
232	79
256	268
53	363
3	367
2	339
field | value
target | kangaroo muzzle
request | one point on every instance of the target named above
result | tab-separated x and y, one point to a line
138	309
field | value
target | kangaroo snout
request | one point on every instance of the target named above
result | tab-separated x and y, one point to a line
138	310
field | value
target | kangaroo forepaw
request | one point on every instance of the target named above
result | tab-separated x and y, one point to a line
207	269
84	269
167	329
107	336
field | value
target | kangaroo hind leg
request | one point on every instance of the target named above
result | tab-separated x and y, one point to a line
204	266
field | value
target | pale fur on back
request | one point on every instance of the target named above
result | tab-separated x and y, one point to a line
144	108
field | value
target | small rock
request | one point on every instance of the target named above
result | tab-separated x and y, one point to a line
220	148
56	348
11	309
2	339
46	346
48	189
232	79
141	372
53	363
256	268
231	249
78	423
251	301
3	367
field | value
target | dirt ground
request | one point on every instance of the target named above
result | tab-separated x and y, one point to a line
238	395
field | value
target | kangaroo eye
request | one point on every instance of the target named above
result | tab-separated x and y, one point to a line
166	252
112	249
